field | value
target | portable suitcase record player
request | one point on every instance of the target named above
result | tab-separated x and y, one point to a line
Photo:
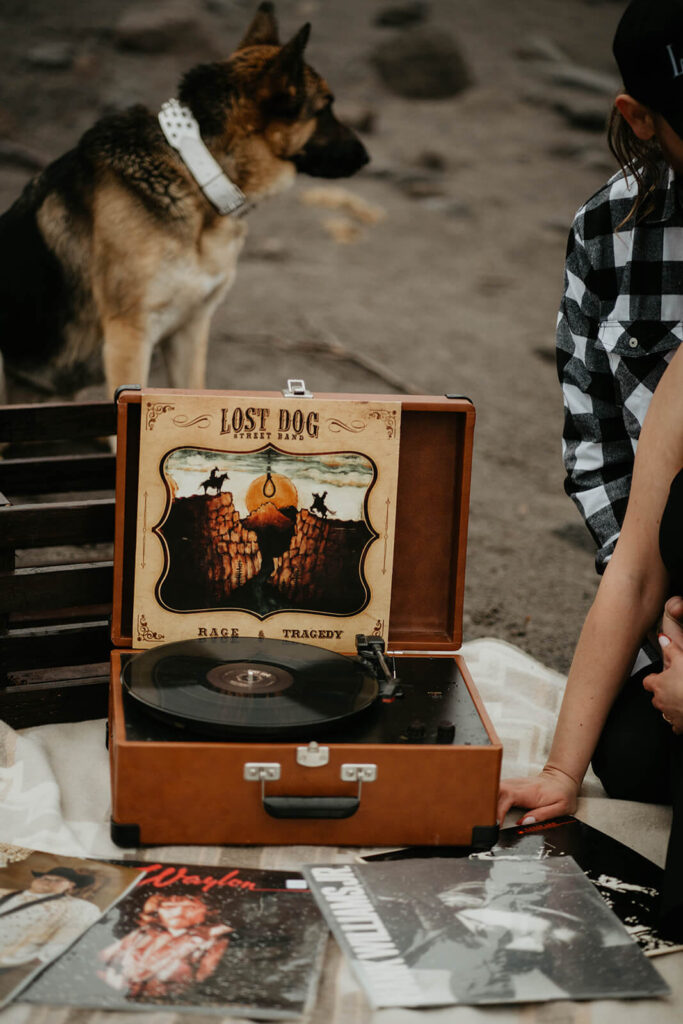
263	543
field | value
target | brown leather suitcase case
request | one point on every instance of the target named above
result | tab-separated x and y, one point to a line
422	768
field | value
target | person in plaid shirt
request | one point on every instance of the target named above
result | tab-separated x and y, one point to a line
619	326
620	322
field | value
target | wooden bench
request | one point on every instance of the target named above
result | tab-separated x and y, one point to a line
56	551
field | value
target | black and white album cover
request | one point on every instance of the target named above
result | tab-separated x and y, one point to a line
447	931
231	941
628	882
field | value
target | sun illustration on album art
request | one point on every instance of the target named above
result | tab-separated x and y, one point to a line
265	531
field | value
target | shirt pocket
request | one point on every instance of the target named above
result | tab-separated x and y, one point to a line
638	352
635	339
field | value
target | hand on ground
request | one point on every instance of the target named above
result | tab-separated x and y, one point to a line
546	795
666	687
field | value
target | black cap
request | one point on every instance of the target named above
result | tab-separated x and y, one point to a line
79	879
648	48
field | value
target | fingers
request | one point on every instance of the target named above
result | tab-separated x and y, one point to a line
672	654
503	807
674	607
652	684
666	686
666	648
553	810
513	793
505	802
533	795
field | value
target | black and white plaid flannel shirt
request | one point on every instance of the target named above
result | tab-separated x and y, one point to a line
619	324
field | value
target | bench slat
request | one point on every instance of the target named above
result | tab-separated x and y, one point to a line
59	522
58	473
62	586
81	644
56	421
72	700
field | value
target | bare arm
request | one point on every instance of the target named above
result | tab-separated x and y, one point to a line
629	599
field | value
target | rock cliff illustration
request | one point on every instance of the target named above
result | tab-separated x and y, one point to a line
271	557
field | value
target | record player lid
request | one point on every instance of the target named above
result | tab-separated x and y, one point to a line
431	520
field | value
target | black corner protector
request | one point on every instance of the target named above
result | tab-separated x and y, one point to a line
125	387
125	835
484	836
466	397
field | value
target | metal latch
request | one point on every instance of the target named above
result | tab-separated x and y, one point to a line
297	389
312	756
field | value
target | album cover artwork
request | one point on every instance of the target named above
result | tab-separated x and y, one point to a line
450	931
46	903
279	512
229	941
628	882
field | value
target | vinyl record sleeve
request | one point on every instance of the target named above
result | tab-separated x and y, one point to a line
221	940
628	882
446	931
265	517
46	903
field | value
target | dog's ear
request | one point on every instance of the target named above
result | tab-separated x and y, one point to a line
286	68
263	30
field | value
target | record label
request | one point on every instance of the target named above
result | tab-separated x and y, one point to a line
245	678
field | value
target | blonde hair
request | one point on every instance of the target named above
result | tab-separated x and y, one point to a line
641	159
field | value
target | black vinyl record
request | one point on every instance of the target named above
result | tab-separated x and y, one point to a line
249	687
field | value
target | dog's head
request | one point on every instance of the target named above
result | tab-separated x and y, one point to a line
270	111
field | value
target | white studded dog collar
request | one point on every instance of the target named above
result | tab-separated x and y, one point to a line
182	132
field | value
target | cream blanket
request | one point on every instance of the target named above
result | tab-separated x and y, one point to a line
54	795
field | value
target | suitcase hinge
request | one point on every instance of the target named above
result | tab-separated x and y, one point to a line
266	771
358	772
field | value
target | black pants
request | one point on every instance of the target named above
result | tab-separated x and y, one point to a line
638	757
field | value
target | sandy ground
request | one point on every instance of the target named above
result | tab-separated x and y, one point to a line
455	289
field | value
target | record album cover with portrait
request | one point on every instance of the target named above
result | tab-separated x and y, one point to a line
230	941
279	511
628	882
46	903
448	931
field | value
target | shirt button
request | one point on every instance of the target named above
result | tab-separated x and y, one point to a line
633	342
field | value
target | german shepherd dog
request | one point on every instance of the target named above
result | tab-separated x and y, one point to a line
115	248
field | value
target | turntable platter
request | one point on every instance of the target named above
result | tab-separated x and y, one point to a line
249	687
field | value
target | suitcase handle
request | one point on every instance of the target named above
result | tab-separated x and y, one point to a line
311	806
